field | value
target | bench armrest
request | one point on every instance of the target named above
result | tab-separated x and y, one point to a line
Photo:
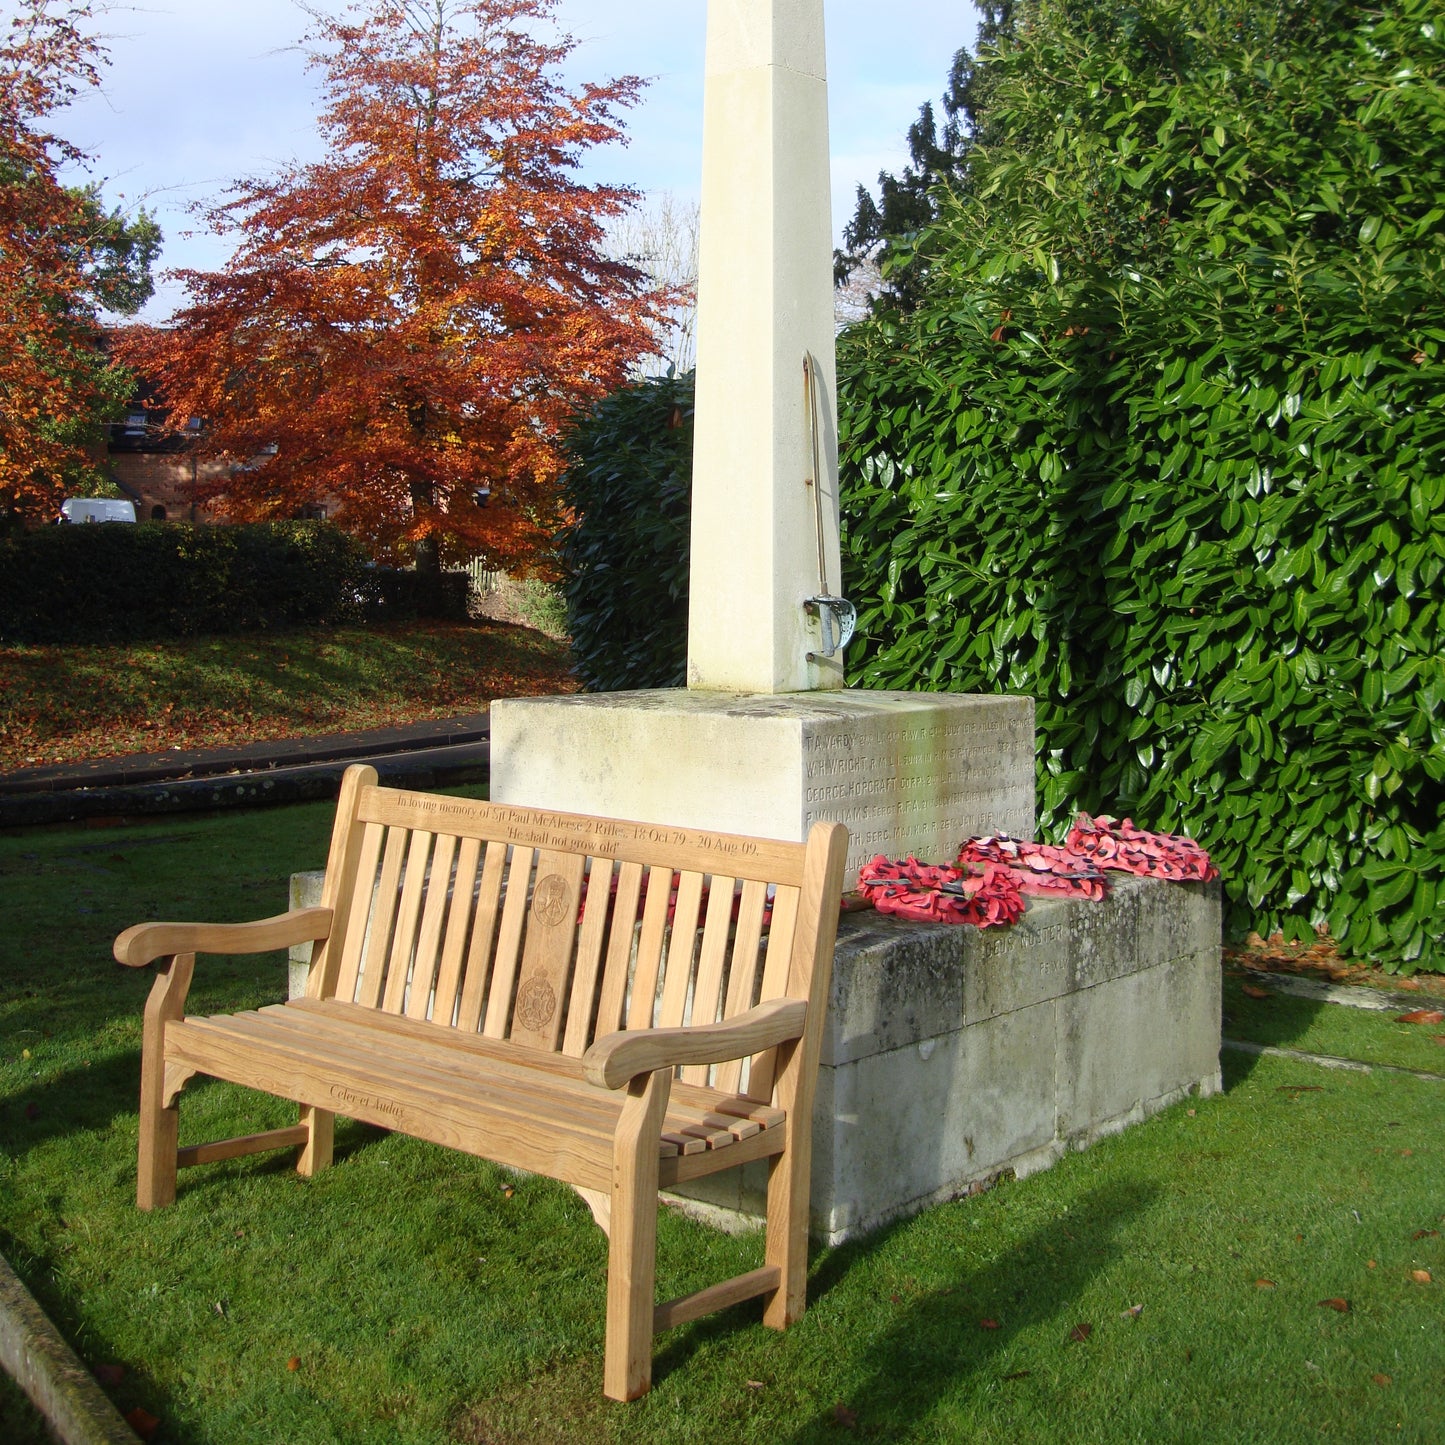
616	1058
147	942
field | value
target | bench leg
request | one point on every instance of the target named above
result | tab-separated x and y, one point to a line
632	1260
155	1185
320	1131
787	1239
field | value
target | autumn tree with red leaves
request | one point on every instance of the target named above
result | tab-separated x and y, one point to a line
62	258
406	324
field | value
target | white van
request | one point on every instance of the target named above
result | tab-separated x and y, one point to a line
96	509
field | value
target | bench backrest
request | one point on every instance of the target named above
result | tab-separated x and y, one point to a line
552	929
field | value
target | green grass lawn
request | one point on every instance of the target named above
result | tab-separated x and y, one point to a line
411	1294
1369	1036
60	704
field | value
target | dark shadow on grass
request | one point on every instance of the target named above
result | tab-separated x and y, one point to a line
1278	1021
93	1098
936	1344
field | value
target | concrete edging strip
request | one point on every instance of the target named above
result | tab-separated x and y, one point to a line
1328	1061
47	1369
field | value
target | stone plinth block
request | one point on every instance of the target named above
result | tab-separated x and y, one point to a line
906	772
952	1056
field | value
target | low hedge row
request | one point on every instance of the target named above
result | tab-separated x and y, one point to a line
115	583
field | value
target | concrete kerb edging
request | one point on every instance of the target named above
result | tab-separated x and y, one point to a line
1329	1061
32	1351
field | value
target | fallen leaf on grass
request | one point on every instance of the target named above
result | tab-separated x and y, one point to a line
1250	990
110	1375
1425	1234
988	1324
755	1384
845	1417
1340	1305
1382	1380
1420	1276
1080	1333
294	1363
1019	1375
142	1422
1132	1313
1369	1264
1265	1284
1422	1016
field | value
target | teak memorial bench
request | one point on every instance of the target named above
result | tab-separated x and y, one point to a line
598	1001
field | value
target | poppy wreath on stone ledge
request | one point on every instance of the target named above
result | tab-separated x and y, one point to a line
987	884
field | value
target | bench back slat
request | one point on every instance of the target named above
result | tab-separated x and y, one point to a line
550	930
484	928
509	943
459	917
712	960
383	915
743	977
373	835
542	987
419	991
612	1005
403	943
582	1004
678	971
642	1006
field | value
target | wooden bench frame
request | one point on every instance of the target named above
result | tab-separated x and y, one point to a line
558	1026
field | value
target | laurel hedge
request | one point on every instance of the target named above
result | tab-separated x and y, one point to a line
624	558
1163	445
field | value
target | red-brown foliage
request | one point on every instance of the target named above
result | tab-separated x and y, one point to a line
47	371
410	319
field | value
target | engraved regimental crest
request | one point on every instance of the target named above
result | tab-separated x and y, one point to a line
549	902
536	1003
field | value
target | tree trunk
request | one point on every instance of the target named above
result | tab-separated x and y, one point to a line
428	558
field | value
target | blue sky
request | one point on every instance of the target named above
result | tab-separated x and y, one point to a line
202	91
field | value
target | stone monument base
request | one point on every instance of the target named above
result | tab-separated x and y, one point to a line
906	772
953	1055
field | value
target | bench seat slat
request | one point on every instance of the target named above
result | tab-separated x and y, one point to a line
405	1072
570	1152
367	1066
505	1055
699	1113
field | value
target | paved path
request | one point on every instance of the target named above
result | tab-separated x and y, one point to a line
440	753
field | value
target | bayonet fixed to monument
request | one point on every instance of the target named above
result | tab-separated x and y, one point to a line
837	617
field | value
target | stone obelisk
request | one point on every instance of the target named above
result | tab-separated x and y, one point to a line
765	303
765	739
